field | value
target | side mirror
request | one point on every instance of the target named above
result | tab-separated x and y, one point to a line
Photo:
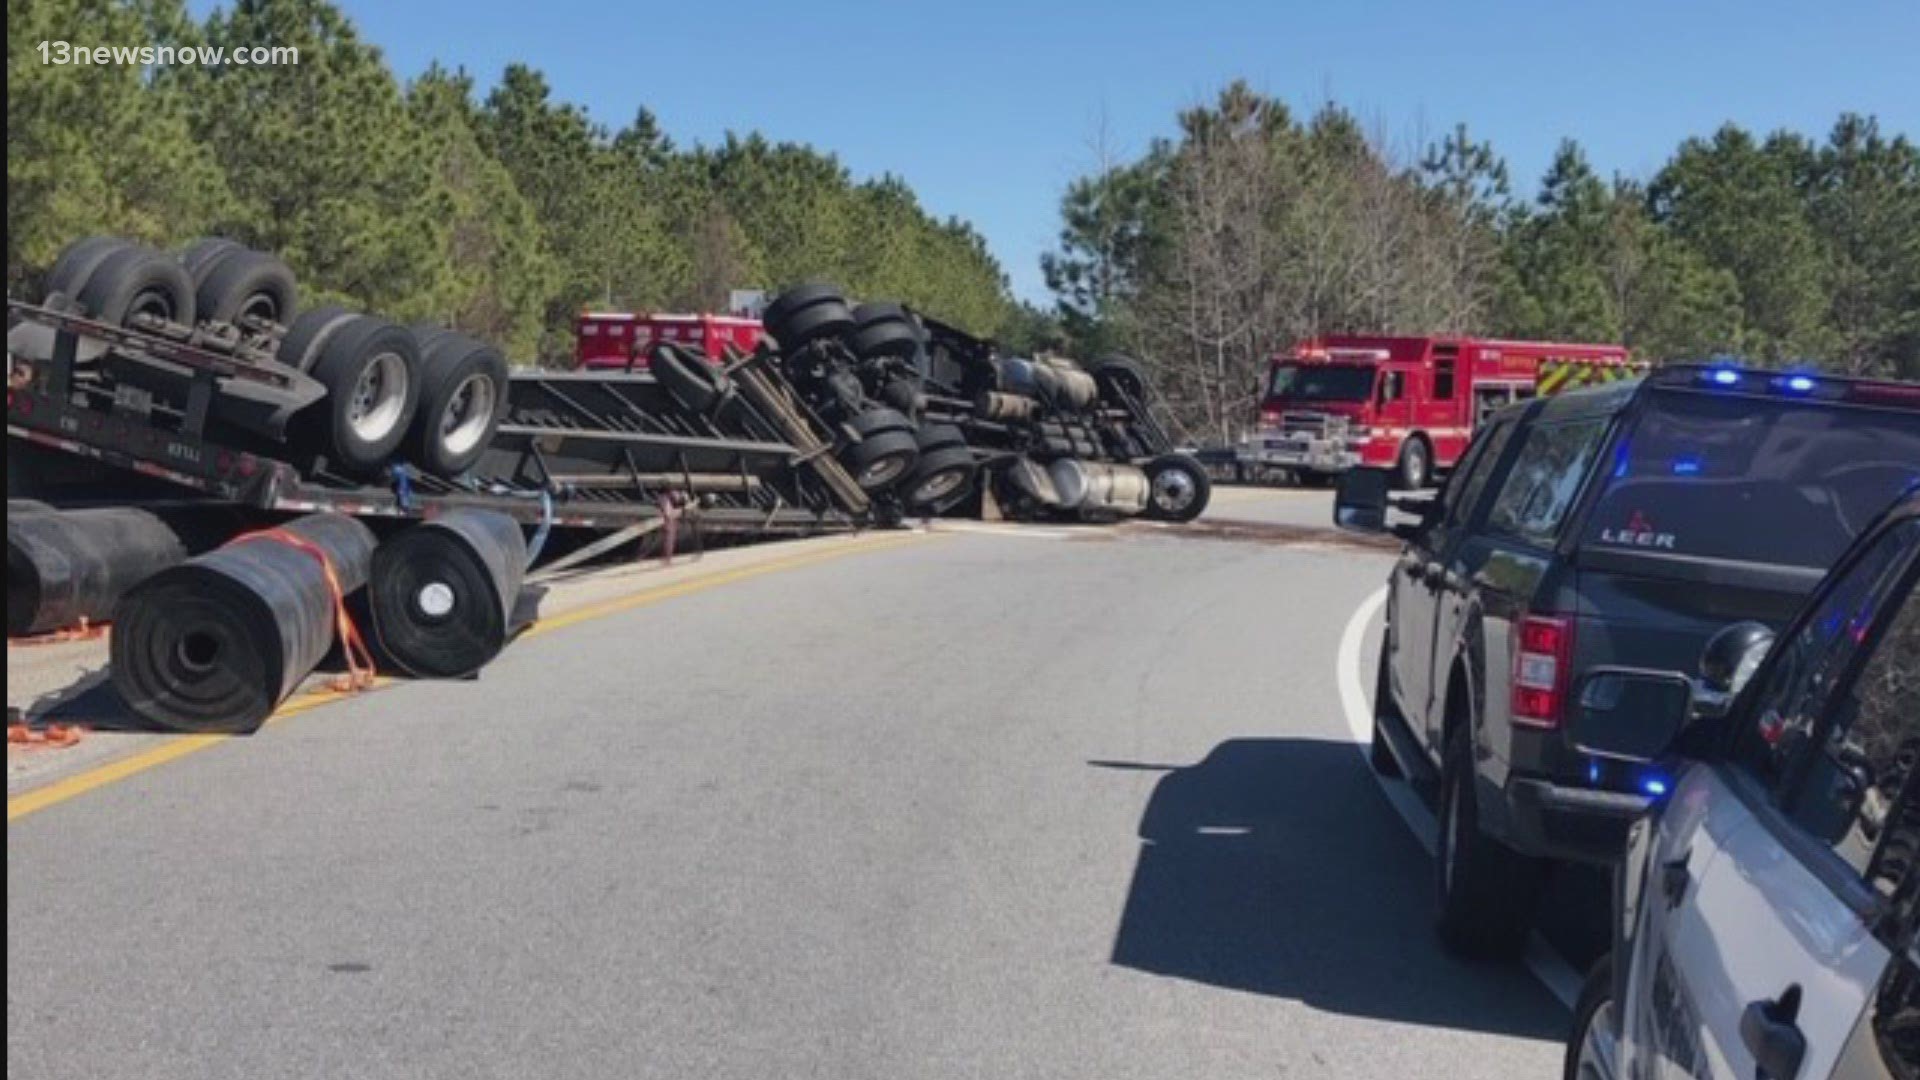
1630	714
1733	654
1360	502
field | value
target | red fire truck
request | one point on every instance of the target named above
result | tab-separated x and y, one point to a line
1407	403
611	339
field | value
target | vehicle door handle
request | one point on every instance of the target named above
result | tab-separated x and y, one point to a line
1773	1037
1675	877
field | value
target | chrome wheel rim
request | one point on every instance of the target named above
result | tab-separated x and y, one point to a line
1599	1046
464	423
152	302
883	472
260	306
939	486
1173	490
379	398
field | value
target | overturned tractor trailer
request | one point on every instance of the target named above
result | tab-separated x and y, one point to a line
221	475
938	420
194	380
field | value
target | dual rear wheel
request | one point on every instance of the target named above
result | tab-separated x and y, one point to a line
433	396
886	448
115	281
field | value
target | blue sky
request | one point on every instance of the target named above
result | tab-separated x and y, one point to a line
988	109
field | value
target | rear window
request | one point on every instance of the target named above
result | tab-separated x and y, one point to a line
1545	479
1751	479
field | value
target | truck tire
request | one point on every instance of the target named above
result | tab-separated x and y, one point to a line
943	476
425	334
1415	468
1178	488
1593	1050
806	313
827	319
463	393
798	296
78	262
1119	377
138	281
371	369
309	333
690	380
883	330
1486	890
940	436
871	422
201	256
1380	754
247	283
878	461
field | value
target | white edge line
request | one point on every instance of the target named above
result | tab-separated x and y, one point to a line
1547	965
991	528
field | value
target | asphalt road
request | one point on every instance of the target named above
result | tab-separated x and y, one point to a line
984	804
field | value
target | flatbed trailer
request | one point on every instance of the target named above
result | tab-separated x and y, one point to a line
596	452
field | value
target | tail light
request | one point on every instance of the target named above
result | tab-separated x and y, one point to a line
1884	393
1269	416
1542	655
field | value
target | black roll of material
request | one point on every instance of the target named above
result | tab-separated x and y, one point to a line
218	642
443	593
67	565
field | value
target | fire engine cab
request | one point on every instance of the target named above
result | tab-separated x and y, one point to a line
606	340
1405	403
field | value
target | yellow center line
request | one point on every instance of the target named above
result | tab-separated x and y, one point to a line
38	799
724	577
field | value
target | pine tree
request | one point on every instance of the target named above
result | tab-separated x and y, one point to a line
98	149
322	157
1863	197
499	272
598	225
1733	200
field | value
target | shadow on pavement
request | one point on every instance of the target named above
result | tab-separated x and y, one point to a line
90	701
1276	866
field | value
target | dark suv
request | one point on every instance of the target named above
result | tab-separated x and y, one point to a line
1618	526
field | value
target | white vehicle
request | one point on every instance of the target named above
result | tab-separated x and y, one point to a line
1765	912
